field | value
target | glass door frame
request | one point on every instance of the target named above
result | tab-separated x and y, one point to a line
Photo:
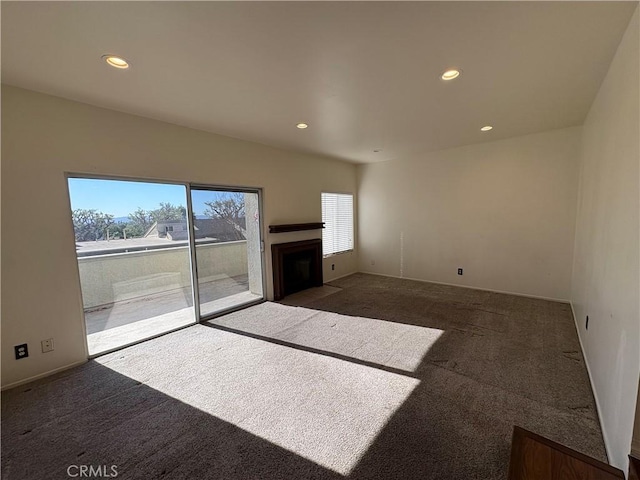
192	252
192	248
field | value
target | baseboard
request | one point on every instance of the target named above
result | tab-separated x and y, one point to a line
338	278
42	375
593	390
505	292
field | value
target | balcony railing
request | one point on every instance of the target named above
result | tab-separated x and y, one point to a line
115	277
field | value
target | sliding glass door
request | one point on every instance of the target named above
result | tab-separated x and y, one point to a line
132	246
154	257
228	254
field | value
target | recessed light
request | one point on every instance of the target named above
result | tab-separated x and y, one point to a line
450	74
115	61
486	128
302	125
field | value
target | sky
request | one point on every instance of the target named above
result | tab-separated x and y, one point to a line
120	198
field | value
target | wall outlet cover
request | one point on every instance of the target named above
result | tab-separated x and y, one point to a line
47	345
22	351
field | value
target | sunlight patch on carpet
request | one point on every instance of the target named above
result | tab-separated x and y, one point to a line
392	344
324	409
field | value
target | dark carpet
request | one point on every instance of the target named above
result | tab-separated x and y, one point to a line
384	379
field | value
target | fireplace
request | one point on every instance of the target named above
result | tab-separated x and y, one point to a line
296	266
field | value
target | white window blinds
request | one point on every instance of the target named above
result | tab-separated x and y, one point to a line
337	215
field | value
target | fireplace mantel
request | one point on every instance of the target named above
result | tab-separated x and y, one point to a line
295	227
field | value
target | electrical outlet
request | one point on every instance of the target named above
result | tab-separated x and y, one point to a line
373	262
459	271
47	345
586	323
21	351
333	266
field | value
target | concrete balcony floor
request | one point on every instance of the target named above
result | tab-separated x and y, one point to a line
126	322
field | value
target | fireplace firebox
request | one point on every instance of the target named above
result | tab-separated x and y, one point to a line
296	266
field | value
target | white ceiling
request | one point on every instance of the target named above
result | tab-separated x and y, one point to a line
363	75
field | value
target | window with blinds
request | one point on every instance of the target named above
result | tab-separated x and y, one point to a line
337	215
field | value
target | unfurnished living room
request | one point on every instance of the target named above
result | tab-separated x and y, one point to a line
320	240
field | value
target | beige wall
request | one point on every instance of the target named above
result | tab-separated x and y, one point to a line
606	265
503	211
43	137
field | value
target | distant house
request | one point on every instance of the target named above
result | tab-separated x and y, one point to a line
170	229
216	229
